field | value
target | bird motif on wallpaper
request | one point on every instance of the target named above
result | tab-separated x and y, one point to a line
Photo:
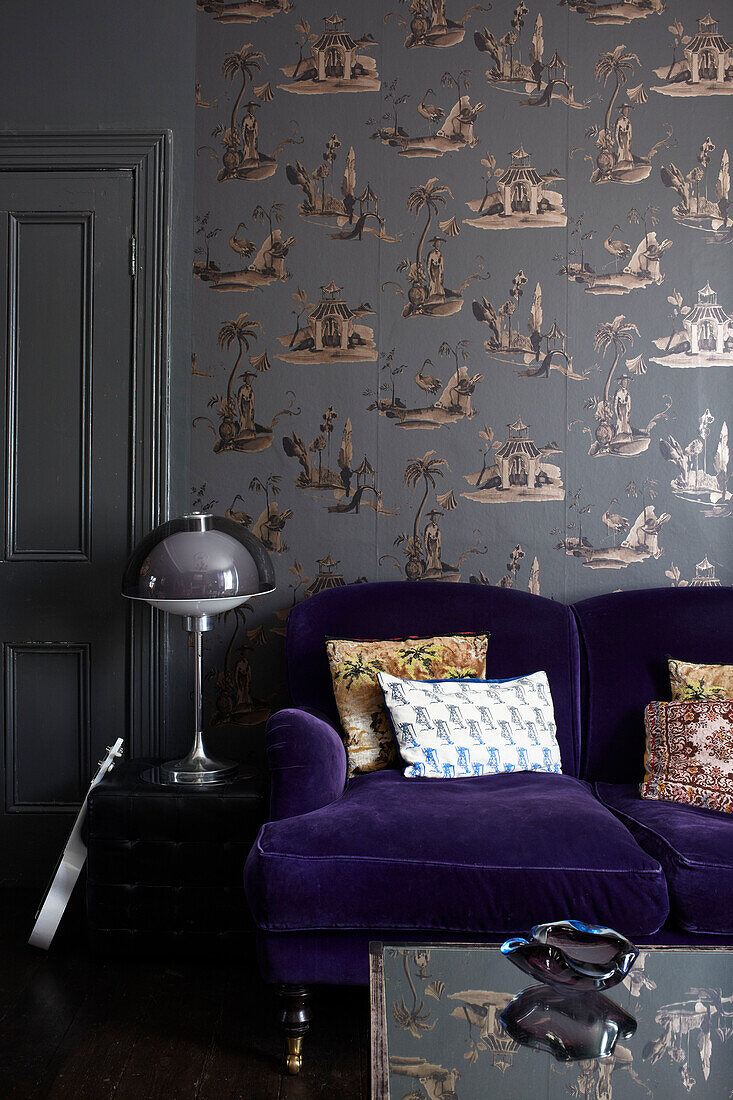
617	248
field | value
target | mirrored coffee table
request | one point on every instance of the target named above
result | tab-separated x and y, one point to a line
664	1033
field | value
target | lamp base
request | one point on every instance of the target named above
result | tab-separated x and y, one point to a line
196	770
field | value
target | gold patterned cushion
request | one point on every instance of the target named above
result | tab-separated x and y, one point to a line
367	730
691	681
689	753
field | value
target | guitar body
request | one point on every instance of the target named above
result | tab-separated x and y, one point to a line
69	867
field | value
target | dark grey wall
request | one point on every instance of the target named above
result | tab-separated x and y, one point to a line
118	65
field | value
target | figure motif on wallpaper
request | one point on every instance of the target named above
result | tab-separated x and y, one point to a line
235	704
423	546
701	63
428	295
242	158
641	539
616	161
352	486
350	213
710	488
508	344
514	468
540	80
702	1022
509	579
640	266
243	11
330	333
268	264
705	576
452	399
702	207
614	434
603	12
518	198
334	62
451	129
238	429
701	335
429	24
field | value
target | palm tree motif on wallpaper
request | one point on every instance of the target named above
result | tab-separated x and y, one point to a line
234	703
429	24
614	433
423	548
518	196
700	63
335	62
702	207
452	399
428	296
642	265
352	487
694	482
701	333
514	469
238	430
507	344
243	11
604	12
543	81
615	161
640	543
351	214
331	333
268	265
242	158
448	134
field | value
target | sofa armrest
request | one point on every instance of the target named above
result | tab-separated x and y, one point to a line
307	762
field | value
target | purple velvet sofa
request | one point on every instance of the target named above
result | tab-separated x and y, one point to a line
384	857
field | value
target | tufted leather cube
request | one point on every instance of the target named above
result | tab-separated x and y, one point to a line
165	865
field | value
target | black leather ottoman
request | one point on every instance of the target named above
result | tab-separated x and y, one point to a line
165	865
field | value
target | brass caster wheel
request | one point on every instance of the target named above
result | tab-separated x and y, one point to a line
294	1057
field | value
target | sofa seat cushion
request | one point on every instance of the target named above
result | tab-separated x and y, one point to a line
489	854
694	847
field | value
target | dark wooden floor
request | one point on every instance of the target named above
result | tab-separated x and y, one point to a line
76	1027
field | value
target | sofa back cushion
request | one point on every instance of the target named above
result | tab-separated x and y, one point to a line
625	638
527	633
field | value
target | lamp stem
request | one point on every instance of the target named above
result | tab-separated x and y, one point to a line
198	650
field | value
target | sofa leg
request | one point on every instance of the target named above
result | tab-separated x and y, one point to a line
295	1018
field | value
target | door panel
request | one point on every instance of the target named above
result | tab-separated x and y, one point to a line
68	320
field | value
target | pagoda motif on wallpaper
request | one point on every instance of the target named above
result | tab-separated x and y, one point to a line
703	205
429	24
453	398
451	129
701	63
522	197
633	541
702	468
540	80
514	469
352	213
701	333
331	333
508	344
610	12
268	262
334	63
633	267
243	11
705	576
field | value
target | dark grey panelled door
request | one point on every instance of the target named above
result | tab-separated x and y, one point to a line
67	309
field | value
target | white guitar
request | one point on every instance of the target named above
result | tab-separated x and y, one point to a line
69	866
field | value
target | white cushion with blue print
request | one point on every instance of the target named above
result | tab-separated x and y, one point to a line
448	729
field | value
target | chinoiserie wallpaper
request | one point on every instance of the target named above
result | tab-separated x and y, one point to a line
463	299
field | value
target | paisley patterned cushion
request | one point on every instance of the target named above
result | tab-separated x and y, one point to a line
451	728
692	681
368	735
689	753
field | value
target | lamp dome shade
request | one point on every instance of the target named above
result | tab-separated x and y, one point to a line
198	564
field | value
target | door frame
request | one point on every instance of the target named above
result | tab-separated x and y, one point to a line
147	155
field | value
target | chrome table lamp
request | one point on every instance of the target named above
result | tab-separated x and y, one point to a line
198	566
